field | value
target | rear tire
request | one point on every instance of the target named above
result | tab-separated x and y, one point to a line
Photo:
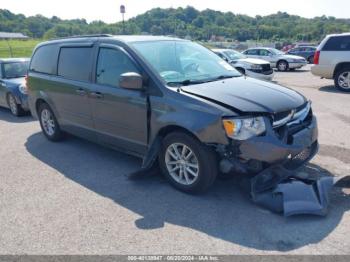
282	66
15	108
191	170
310	60
49	124
342	79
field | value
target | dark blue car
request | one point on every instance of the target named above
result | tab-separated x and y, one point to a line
307	52
13	91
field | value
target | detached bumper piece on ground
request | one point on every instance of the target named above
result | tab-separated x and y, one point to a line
284	191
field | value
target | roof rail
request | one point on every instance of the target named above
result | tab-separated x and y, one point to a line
83	36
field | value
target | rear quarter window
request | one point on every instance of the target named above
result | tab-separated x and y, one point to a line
45	60
75	63
337	43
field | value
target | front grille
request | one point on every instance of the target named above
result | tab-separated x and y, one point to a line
266	67
288	123
282	118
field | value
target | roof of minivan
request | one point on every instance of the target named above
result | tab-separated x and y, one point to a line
13	60
122	38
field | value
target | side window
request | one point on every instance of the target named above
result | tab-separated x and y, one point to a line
75	63
338	43
264	52
252	52
45	60
111	64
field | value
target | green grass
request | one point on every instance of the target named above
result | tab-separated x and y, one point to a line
20	48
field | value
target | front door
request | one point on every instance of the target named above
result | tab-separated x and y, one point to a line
120	115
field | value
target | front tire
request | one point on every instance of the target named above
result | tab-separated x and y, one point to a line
15	108
342	79
282	66
48	123
189	165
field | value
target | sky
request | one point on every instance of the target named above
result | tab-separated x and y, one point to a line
108	10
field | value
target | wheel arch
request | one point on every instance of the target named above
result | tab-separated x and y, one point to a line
156	143
281	60
340	66
38	103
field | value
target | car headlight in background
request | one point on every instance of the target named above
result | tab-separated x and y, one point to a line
255	67
23	89
244	128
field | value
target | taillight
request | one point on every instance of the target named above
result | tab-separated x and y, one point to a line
317	57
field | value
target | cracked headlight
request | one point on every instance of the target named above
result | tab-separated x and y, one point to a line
244	128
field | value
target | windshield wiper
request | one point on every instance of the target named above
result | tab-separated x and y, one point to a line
185	82
194	82
224	77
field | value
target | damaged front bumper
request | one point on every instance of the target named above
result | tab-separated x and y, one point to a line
284	191
291	147
271	163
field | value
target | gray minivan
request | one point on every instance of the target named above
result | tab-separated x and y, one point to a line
168	100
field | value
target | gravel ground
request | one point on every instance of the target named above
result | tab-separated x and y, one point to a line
76	197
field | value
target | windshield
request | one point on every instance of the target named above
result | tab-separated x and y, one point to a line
184	61
234	55
276	51
15	69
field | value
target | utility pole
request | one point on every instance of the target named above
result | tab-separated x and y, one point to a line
122	11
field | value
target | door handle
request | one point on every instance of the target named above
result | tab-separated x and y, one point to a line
96	95
81	92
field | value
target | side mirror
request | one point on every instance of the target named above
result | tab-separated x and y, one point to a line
131	80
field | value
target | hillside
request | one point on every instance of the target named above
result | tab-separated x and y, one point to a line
183	22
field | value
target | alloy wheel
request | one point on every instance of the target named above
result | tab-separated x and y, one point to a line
13	104
48	122
282	66
344	80
182	163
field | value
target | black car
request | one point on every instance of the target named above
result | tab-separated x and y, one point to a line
168	100
13	91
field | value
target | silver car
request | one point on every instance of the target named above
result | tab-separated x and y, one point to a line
277	58
252	67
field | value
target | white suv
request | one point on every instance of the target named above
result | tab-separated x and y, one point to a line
332	60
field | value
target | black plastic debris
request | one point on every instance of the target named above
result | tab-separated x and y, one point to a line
284	191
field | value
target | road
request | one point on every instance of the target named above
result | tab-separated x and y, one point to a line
76	197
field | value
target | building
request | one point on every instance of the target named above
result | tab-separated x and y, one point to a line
7	35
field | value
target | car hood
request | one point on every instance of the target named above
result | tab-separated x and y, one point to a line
248	95
254	61
14	81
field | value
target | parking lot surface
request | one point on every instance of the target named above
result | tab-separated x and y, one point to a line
76	197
